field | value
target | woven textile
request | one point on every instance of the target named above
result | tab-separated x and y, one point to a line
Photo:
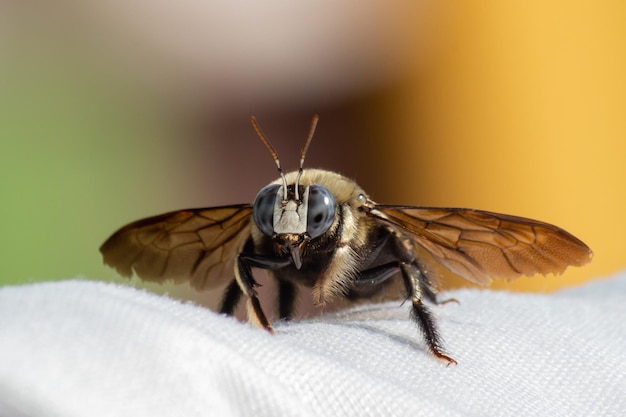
81	348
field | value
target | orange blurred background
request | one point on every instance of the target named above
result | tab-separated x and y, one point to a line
116	111
522	110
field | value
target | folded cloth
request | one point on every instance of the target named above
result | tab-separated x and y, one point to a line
85	348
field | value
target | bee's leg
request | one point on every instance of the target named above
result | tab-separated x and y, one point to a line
286	299
421	315
427	287
230	298
371	281
247	284
373	276
378	274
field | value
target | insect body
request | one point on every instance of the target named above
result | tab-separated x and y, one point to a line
319	229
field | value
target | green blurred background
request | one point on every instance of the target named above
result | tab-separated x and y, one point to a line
70	150
114	112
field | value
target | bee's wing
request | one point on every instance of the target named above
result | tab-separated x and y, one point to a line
480	245
198	246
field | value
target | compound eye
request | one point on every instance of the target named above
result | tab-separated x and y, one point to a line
263	209
321	211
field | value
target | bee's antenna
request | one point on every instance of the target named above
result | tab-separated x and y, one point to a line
303	151
274	154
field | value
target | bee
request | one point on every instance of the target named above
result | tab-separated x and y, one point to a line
318	229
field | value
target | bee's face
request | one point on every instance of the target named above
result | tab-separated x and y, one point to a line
293	219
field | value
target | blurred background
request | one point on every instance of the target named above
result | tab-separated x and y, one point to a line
115	111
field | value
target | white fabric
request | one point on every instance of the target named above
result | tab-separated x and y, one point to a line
80	348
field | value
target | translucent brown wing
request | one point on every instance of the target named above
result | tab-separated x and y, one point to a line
479	245
198	246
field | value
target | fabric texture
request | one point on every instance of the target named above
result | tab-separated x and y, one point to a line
83	348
